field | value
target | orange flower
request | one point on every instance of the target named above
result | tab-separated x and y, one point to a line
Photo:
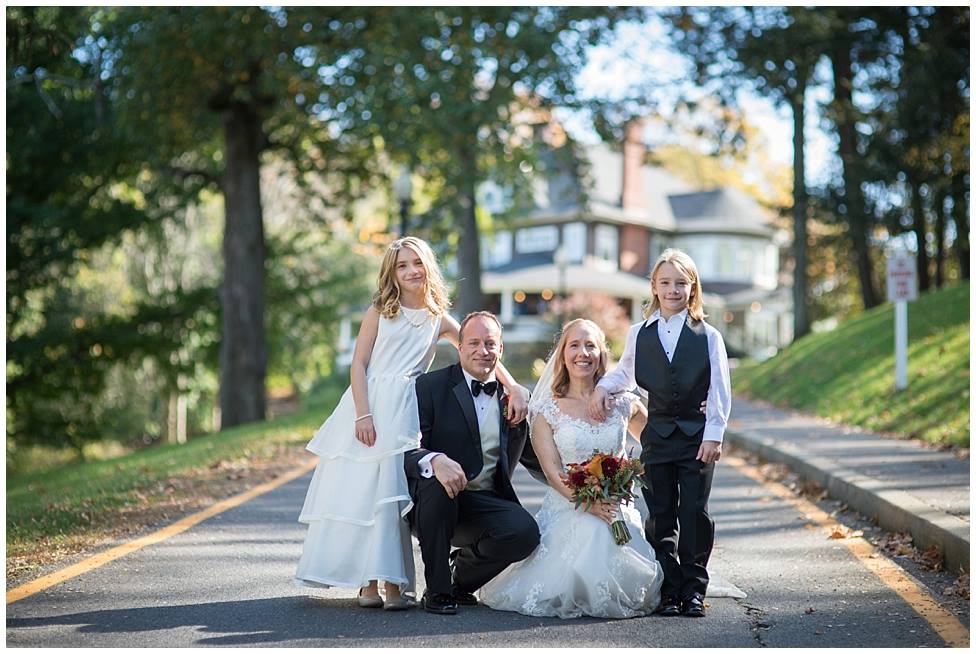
594	467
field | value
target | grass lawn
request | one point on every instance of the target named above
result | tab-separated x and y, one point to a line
847	375
60	512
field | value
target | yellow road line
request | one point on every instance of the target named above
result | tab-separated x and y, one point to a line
945	624
45	582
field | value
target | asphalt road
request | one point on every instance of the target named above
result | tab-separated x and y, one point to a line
227	582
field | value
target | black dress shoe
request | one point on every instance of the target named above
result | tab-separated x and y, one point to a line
670	607
439	603
460	596
693	607
464	599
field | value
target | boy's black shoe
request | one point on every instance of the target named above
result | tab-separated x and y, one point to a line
693	607
669	607
439	603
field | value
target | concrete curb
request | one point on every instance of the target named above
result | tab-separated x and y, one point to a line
895	510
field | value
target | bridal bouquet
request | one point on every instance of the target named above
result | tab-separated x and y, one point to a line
606	478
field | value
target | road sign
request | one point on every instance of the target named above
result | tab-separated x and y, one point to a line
902	277
902	288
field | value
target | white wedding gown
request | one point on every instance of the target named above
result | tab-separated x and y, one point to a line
578	569
358	495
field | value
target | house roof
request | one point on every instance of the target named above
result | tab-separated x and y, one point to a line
710	210
669	203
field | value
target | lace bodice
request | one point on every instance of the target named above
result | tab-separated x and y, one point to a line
576	438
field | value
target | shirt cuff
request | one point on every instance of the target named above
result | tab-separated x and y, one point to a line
713	433
426	468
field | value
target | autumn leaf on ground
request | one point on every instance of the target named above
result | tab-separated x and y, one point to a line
930	559
840	531
960	588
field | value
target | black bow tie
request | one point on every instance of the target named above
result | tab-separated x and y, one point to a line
488	387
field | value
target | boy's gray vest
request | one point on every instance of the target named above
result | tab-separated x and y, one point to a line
677	388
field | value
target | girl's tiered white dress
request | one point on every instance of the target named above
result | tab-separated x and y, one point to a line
358	497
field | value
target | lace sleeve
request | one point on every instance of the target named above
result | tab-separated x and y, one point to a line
550	412
625	402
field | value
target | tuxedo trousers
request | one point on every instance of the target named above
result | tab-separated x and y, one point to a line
678	525
489	531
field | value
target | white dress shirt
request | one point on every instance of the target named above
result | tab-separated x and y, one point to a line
719	399
481	403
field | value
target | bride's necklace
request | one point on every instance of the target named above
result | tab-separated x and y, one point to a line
415	317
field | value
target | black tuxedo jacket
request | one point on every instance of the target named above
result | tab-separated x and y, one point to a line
449	424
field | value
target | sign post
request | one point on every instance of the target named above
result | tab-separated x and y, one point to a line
902	288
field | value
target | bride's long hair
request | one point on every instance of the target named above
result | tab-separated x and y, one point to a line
560	375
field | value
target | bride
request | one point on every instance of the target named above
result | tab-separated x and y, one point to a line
578	569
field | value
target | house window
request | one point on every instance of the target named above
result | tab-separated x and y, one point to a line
537	239
605	246
574	242
499	249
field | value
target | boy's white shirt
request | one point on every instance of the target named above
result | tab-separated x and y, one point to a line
719	401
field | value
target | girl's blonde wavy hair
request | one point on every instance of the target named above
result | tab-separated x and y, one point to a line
560	375
386	299
686	266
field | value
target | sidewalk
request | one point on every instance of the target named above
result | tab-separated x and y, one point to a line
907	486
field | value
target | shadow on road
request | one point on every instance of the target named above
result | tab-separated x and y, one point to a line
279	619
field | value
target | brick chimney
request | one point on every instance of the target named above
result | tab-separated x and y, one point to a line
634	150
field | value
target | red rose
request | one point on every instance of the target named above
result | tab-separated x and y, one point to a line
577	478
610	466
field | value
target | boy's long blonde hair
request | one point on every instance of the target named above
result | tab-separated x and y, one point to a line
686	266
560	375
387	296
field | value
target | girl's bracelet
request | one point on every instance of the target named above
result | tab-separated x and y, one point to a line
362	417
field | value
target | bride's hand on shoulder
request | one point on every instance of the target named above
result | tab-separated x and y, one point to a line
596	408
518	404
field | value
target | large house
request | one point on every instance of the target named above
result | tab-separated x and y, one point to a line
602	231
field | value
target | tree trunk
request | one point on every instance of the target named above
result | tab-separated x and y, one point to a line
469	248
918	226
960	218
940	229
243	351
801	320
858	226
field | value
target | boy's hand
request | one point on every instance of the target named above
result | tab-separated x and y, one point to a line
596	409
709	452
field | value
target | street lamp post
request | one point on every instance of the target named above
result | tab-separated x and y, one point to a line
559	258
403	189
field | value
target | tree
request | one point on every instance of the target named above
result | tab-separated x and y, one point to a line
64	202
218	90
445	84
773	50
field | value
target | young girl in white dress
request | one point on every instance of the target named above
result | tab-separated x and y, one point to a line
358	495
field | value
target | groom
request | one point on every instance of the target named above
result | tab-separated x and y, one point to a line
460	478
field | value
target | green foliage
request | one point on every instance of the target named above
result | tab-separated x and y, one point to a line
443	89
70	335
313	280
847	374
